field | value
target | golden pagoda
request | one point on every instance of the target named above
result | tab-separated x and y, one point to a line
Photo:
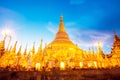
61	52
61	48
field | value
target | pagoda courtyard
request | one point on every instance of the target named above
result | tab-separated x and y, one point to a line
61	57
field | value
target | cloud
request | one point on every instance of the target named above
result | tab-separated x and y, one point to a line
52	27
89	38
70	24
85	38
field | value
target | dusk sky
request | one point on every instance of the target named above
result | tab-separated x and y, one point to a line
86	21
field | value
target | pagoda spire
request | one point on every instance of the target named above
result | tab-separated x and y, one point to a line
33	48
40	47
19	51
61	34
61	26
14	48
25	51
116	38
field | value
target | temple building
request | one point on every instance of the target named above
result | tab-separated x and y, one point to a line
61	52
114	57
116	45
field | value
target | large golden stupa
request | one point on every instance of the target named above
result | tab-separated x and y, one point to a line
61	46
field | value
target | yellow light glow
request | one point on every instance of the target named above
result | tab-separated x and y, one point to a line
81	64
95	64
38	66
99	43
89	64
62	66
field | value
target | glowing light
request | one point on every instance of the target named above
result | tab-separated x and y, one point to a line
81	64
62	66
6	32
100	44
38	66
70	48
95	64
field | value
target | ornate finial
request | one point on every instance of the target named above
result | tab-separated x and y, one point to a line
61	18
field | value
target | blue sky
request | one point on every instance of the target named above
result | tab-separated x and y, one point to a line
86	21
